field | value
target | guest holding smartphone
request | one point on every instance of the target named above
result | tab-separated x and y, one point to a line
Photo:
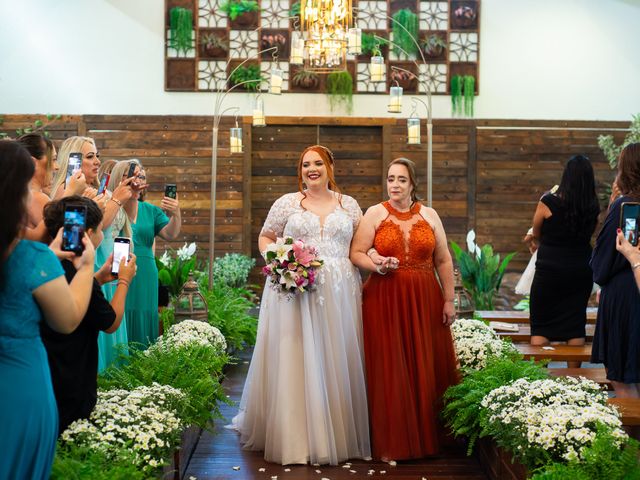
145	221
616	342
85	180
32	290
73	358
631	253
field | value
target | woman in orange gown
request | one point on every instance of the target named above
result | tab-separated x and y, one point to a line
409	354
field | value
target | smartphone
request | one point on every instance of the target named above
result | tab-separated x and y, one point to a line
103	183
132	169
121	248
75	222
629	221
170	190
75	162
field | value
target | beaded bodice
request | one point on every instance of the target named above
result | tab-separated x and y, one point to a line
406	236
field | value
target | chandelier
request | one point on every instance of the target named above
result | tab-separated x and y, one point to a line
325	30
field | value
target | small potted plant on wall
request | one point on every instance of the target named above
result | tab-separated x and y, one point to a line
214	45
464	15
181	29
274	40
250	74
340	90
406	80
405	29
372	45
434	46
306	79
241	12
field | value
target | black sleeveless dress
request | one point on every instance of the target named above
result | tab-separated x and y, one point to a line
563	280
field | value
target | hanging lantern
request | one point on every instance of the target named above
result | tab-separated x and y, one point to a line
395	99
258	113
324	27
191	304
462	301
376	68
276	81
296	57
413	131
235	139
354	46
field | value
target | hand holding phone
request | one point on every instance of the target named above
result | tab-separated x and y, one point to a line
121	249
104	181
75	163
171	190
75	221
132	169
630	221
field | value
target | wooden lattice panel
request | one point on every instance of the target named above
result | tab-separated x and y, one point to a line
204	68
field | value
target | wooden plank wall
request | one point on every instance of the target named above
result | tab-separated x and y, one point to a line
488	174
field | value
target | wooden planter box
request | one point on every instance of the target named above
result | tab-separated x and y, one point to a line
496	462
182	454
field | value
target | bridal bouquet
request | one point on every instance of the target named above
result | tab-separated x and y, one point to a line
291	266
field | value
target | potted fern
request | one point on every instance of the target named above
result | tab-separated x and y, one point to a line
306	79
340	90
243	13
405	30
250	74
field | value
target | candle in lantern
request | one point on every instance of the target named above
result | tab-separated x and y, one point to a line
413	130
258	118
276	81
395	100
355	41
235	140
297	52
377	69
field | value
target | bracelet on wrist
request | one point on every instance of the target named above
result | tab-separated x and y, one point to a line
379	270
118	202
123	282
371	251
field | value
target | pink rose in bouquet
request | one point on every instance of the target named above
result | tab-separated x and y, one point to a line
291	266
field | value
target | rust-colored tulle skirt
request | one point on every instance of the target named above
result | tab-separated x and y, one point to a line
410	362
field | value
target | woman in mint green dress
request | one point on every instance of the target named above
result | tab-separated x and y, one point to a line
146	222
110	345
32	289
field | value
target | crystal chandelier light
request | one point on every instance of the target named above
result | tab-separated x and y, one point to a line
325	29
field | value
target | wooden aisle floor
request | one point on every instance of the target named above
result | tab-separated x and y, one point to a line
219	452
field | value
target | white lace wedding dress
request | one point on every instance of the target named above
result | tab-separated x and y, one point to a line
304	400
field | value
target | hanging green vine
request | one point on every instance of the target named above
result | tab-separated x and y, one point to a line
340	90
456	95
468	89
405	38
181	24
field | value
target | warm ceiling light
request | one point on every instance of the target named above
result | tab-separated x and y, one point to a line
325	28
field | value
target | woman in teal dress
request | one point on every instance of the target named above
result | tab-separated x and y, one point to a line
32	285
146	222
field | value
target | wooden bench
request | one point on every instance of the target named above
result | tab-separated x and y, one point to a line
524	333
516	316
560	353
629	409
598	375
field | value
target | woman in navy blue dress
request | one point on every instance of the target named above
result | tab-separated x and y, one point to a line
616	342
32	285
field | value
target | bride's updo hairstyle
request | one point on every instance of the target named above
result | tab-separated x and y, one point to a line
327	158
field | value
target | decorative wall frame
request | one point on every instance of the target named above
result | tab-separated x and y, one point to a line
216	40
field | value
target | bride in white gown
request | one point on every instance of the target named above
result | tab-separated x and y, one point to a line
304	400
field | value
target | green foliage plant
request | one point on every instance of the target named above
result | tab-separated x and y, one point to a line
405	38
174	268
602	460
463	411
250	74
433	45
456	95
38	126
195	369
340	90
233	269
294	10
73	462
468	90
371	44
235	8
181	26
481	271
609	147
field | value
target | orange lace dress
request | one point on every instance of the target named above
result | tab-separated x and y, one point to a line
409	353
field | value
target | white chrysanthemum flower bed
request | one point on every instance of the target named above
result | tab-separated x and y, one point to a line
555	417
142	420
475	342
189	332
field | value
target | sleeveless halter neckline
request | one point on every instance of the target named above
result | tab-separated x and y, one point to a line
415	208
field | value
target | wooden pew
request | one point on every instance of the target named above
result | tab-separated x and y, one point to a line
524	333
560	353
516	316
629	409
598	375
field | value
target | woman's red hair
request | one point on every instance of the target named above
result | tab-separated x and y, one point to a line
327	158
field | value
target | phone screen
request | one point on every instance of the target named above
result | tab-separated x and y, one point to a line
103	183
170	190
121	246
75	162
132	170
630	221
75	217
